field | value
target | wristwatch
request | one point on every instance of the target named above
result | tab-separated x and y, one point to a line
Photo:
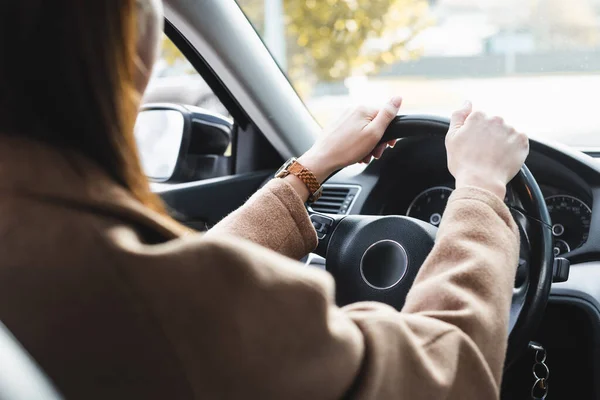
293	167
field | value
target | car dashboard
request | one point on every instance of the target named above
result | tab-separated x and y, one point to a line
412	179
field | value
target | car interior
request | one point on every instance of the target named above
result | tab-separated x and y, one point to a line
219	161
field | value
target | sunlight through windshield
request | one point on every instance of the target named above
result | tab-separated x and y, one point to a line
534	62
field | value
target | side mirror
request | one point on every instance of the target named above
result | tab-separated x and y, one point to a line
162	133
180	143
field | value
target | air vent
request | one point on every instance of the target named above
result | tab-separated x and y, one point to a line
336	199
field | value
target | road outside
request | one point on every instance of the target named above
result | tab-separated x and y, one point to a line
565	108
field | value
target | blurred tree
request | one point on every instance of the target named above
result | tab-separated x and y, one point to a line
169	52
332	39
174	58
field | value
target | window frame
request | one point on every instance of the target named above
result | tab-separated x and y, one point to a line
258	153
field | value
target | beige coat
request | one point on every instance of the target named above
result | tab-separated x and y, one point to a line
114	302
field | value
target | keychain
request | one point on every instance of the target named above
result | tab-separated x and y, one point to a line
541	372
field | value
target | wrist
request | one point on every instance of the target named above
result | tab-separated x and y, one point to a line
495	186
319	166
299	186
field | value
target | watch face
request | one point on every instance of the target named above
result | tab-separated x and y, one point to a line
285	166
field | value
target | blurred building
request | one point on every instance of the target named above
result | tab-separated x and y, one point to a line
470	27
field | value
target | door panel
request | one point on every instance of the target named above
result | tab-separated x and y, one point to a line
202	204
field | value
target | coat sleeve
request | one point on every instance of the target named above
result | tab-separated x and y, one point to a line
452	332
275	218
245	322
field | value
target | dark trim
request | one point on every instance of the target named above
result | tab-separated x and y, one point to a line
592	153
594	314
208	74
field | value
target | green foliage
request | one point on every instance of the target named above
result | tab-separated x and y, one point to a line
175	58
169	52
329	40
333	39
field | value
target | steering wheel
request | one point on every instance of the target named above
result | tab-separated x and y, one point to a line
377	258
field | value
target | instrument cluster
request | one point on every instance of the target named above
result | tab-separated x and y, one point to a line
570	215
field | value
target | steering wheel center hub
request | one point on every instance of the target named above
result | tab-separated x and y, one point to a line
384	264
377	258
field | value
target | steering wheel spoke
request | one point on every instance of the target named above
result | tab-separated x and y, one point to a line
324	225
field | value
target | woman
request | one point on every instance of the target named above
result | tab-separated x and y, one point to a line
116	300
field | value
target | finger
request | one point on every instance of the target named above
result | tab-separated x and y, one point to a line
479	116
378	151
387	113
392	143
459	116
366	160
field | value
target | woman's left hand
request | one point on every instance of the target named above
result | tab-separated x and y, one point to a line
354	138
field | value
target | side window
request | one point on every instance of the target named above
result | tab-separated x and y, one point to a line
174	80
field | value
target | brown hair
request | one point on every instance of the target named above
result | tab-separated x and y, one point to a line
68	73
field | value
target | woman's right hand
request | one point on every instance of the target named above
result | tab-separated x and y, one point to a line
484	151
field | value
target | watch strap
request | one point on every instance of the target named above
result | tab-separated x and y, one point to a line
293	167
306	176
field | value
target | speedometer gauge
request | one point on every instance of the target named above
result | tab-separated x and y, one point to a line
429	205
570	222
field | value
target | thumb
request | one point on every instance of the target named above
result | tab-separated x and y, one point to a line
459	116
387	113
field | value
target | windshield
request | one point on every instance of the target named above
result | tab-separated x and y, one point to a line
534	62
